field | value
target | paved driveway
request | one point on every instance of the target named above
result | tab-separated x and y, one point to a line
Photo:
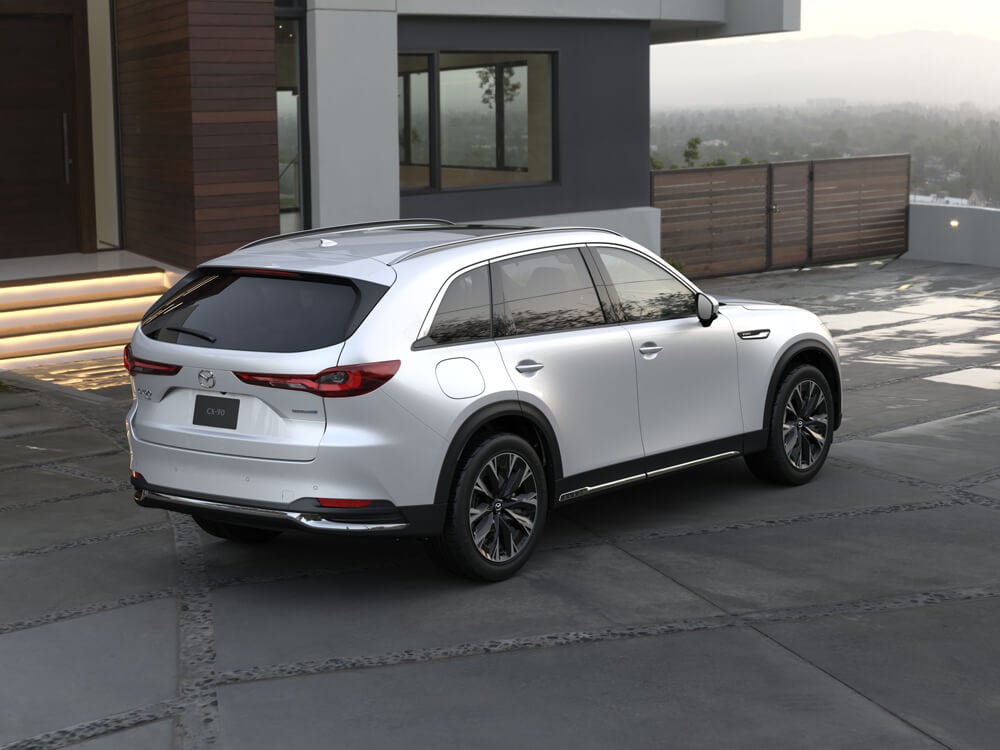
707	611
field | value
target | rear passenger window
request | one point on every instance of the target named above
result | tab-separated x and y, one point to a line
544	292
645	291
464	312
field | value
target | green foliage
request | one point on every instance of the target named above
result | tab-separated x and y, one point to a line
488	83
715	163
955	150
675	263
655	163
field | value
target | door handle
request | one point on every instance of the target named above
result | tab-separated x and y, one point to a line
67	159
528	366
649	349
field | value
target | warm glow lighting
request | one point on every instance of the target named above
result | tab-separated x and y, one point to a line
57	341
72	291
42	319
953	223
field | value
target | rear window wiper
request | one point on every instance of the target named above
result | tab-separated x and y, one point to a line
193	332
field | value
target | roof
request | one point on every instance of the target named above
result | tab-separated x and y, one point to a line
369	250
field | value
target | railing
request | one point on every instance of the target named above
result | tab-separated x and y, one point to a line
724	220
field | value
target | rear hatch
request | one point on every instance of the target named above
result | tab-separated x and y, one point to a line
228	361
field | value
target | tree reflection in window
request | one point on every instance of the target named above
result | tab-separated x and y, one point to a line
644	290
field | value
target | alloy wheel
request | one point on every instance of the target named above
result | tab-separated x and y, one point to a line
504	507
805	425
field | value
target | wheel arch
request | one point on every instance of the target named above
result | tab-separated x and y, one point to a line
512	417
813	353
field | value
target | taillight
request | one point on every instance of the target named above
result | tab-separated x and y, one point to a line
338	382
145	367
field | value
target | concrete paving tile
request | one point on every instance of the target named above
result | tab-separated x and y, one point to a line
935	666
721	689
35	585
351	615
87	668
726	492
833	560
81	517
910	402
115	467
987	489
17	400
156	736
33	419
942	450
24	485
54	446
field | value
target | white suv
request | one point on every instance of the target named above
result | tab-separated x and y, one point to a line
457	382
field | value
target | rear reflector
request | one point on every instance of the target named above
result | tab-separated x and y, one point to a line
328	502
338	382
145	367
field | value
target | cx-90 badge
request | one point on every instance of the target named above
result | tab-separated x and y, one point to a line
206	379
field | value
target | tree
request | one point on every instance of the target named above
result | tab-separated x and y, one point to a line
691	153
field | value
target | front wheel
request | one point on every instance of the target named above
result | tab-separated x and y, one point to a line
799	431
496	512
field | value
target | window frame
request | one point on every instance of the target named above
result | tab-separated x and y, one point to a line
435	150
609	287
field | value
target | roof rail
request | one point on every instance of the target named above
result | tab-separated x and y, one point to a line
340	229
487	238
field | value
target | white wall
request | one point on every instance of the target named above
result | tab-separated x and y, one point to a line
353	115
975	239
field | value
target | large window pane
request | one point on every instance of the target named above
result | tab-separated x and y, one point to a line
414	121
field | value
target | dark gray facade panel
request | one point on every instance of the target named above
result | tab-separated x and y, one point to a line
601	116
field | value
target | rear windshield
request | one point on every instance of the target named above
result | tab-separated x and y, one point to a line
260	311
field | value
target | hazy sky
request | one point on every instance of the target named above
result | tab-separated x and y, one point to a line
819	62
873	17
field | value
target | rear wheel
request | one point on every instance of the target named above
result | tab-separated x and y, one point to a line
497	510
800	432
236	533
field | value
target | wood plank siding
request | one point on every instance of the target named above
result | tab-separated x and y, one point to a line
196	83
724	220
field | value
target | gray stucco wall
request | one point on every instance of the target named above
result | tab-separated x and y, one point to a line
602	109
975	239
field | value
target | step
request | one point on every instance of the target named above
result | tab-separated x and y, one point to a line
33	344
87	287
74	315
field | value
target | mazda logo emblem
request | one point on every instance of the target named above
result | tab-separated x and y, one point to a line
206	378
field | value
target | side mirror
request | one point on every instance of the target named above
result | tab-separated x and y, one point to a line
708	309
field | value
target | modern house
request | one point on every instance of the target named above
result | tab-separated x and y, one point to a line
166	132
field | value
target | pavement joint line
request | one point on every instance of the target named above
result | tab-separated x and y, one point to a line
311	667
40	502
879	473
84	542
86	610
88	730
222	583
50	465
198	725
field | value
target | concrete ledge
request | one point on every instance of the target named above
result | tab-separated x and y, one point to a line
640	224
955	234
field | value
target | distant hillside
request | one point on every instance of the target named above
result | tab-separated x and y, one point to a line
920	66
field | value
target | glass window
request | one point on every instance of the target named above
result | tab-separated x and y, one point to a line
414	121
645	291
543	292
493	123
290	118
245	310
464	312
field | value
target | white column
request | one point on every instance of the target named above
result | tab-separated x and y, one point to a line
354	156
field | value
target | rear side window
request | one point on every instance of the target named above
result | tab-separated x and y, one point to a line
464	312
258	311
644	290
543	292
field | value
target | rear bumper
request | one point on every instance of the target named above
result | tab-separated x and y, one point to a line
388	520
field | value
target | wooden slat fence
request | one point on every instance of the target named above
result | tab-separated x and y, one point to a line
723	220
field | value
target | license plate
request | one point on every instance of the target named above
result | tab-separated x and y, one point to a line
212	411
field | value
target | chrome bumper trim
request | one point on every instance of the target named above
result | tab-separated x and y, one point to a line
311	521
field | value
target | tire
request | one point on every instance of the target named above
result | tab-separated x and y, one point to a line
496	512
236	533
799	430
